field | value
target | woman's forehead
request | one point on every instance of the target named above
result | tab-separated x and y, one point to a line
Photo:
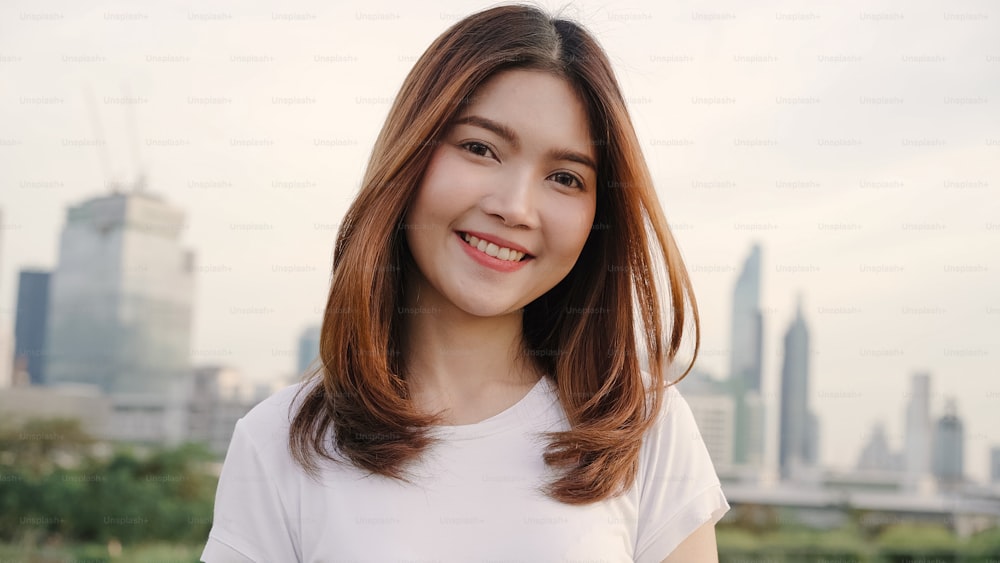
516	103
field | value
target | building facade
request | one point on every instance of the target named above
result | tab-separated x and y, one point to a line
121	297
745	364
798	430
29	324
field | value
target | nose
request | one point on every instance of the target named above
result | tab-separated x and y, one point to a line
512	199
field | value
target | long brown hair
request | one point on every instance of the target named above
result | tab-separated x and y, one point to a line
582	333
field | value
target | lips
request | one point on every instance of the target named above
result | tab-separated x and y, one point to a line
492	250
491	262
501	242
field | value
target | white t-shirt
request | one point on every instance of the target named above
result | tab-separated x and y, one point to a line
475	500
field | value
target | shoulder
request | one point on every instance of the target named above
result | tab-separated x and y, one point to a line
263	430
257	499
679	489
673	444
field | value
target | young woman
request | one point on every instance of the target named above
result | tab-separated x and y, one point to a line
480	395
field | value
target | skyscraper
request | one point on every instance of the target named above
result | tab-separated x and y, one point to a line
747	324
798	438
746	344
917	452
121	297
949	447
29	324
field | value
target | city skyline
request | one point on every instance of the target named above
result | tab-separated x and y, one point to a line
889	240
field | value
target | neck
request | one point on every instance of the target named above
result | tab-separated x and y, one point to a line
447	350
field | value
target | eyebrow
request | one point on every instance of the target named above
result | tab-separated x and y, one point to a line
508	134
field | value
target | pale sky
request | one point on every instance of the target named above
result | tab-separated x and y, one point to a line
860	144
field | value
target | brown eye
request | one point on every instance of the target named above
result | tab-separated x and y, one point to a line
477	148
567	179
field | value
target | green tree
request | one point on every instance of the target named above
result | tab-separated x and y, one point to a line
54	485
903	542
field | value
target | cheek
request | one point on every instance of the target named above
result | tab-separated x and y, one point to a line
442	189
571	226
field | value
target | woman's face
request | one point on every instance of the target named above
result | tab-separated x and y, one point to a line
515	168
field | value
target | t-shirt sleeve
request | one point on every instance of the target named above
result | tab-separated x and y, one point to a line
680	489
250	522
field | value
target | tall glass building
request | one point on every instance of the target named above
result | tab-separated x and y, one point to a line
798	430
949	447
29	324
746	342
121	297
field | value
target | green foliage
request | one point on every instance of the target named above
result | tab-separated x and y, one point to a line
153	552
791	545
898	543
985	546
902	542
56	486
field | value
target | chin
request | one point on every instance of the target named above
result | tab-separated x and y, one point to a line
487	309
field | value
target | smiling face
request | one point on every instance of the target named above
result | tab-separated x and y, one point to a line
516	169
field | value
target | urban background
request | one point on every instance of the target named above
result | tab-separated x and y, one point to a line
172	179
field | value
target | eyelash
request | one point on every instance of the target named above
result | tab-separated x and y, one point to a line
467	144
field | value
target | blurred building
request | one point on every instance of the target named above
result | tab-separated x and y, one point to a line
29	325
714	416
949	448
798	433
218	399
308	349
917	452
745	364
872	502
713	408
85	403
120	301
120	311
877	455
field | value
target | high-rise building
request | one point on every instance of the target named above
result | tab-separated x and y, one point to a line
308	348
120	305
798	433
745	364
121	297
949	447
917	451
29	324
747	324
811	449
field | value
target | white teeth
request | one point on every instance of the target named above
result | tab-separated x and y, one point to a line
493	250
